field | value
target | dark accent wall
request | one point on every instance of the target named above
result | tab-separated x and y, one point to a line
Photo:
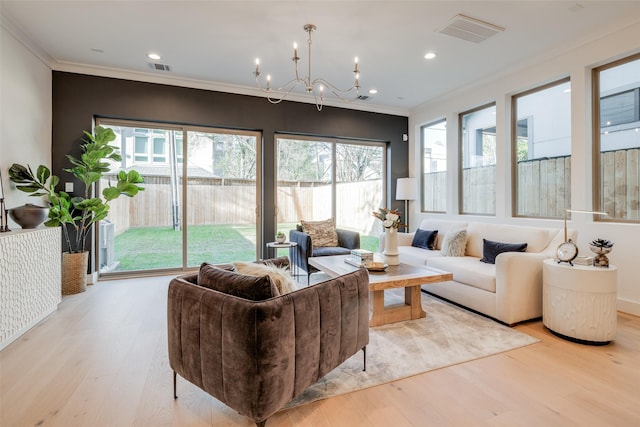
79	98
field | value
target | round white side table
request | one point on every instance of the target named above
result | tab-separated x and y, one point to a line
579	302
272	249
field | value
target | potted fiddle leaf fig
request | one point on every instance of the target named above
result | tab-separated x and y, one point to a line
77	215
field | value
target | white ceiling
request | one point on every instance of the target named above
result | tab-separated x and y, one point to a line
213	44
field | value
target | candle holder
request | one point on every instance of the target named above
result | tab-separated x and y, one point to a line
601	248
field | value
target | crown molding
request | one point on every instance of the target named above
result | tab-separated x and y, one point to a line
24	40
150	77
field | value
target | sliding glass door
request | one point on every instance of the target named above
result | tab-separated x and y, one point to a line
221	212
326	178
199	203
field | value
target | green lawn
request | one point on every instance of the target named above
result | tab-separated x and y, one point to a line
149	248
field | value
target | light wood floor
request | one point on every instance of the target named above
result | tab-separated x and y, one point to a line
101	360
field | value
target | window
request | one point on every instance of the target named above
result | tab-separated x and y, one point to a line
541	147
617	139
140	150
478	161
320	178
150	146
434	167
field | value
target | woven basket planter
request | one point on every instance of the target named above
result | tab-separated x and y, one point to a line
74	272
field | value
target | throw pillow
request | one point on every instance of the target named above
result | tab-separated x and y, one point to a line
279	276
322	233
240	285
490	249
425	239
454	243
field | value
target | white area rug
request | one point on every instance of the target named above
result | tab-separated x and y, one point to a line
447	336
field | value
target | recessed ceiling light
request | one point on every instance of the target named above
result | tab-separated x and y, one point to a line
429	55
373	91
154	56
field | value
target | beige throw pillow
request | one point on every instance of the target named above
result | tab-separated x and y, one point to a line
454	243
323	233
279	276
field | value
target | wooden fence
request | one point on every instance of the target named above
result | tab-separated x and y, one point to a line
434	192
543	188
620	172
211	201
479	196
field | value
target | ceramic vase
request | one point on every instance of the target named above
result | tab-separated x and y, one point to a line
390	253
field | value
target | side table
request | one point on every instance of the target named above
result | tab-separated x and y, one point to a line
272	252
579	302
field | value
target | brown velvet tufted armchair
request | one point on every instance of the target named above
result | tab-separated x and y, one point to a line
256	356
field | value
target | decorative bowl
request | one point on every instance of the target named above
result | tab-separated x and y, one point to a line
600	250
29	215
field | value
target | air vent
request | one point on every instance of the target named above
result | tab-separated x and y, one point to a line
470	29
363	97
159	67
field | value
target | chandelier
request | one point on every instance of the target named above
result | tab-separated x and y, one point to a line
315	87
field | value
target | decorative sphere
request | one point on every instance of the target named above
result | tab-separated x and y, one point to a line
29	215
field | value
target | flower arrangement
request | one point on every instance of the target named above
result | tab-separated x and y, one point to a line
390	217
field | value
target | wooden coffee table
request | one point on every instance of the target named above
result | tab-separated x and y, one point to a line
406	276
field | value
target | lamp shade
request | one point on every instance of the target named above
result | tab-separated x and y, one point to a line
407	189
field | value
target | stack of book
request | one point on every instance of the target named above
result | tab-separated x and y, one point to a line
583	260
359	257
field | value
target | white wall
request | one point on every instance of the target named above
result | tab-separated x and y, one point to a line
576	63
25	114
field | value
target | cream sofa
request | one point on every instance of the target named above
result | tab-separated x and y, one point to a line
509	290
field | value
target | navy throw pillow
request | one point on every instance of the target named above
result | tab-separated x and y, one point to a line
425	239
490	250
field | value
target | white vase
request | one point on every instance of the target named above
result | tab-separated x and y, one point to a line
390	253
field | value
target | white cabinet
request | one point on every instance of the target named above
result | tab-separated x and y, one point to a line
579	302
30	262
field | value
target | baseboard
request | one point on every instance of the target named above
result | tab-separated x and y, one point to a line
92	278
629	307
